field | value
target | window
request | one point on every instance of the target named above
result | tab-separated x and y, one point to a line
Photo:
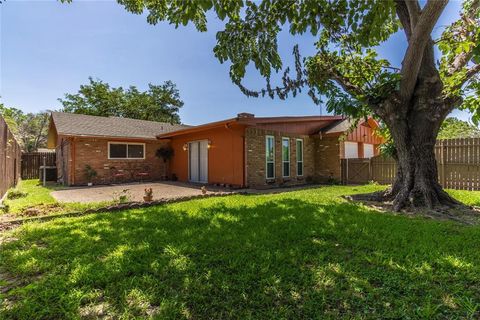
351	150
121	150
270	157
286	157
299	157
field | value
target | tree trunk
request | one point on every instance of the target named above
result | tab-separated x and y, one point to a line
416	183
414	133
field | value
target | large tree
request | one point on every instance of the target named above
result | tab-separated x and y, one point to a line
453	128
412	99
97	98
29	129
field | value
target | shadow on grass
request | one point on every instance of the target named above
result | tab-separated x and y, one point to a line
288	258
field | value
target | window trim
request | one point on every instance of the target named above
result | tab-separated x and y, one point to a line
289	158
296	156
127	143
266	159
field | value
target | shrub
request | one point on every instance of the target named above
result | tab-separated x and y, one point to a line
15	194
90	173
4	208
165	153
123	196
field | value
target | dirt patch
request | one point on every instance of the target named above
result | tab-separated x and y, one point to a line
41	210
462	214
5	226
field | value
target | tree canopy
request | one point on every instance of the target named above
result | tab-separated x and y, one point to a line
159	103
30	129
346	68
453	128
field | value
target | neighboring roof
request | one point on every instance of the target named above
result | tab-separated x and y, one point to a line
71	124
338	127
251	120
346	124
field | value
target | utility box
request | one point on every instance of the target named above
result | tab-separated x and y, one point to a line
50	173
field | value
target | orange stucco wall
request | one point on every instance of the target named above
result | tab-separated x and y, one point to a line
225	155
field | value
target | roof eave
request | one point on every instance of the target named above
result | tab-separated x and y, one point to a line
199	128
105	137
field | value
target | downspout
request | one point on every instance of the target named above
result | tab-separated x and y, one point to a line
72	167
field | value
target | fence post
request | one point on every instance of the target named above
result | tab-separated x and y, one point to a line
442	162
370	176
346	175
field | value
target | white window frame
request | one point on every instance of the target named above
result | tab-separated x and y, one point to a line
266	159
127	143
296	156
286	160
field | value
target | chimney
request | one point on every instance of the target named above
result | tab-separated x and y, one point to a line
245	115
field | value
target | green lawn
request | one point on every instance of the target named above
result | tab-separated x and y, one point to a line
304	254
37	196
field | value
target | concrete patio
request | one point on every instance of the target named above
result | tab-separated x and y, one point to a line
136	191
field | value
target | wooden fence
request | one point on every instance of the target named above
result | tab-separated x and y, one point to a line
31	162
10	155
458	162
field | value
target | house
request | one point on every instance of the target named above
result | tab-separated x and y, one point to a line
245	151
118	149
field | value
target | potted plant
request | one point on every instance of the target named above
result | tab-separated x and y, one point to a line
90	173
148	197
165	153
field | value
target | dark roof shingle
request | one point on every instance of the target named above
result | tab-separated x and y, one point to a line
84	125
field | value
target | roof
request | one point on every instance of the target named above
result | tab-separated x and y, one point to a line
346	125
251	120
72	124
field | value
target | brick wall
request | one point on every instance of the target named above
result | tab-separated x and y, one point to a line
94	152
327	159
321	159
255	158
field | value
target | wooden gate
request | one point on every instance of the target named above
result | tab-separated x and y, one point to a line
355	171
31	162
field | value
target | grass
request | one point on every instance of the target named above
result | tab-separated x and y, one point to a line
303	254
38	196
471	198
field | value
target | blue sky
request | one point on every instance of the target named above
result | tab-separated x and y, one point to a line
48	49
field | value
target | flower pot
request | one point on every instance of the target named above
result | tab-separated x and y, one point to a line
147	198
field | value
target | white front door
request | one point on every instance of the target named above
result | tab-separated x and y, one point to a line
198	161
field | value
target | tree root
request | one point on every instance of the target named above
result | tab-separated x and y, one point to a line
443	206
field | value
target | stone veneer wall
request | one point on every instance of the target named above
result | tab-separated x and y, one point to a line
255	159
94	152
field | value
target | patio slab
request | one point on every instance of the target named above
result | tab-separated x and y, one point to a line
165	190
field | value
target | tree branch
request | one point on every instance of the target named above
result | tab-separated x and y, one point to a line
472	71
404	17
418	41
414	12
463	57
